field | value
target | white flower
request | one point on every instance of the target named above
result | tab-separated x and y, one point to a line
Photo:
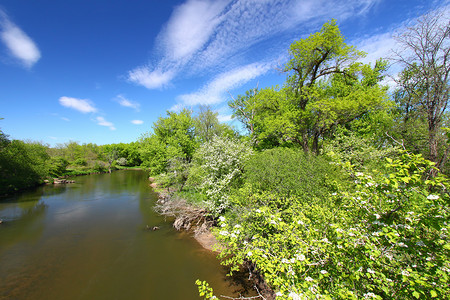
237	226
294	296
369	295
432	197
405	273
285	261
370	271
222	218
401	244
249	253
258	211
273	222
233	235
223	225
300	257
377	216
334	194
300	222
309	279
223	232
323	272
278	294
359	174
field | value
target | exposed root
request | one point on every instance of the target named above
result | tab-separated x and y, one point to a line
187	216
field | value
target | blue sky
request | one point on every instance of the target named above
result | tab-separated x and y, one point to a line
103	71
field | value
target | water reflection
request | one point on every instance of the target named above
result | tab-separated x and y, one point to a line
88	241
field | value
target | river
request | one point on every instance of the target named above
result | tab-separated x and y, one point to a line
88	240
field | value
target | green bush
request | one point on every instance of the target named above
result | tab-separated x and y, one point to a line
58	166
80	162
287	172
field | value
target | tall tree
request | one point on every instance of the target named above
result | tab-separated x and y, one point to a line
326	86
207	125
425	56
321	54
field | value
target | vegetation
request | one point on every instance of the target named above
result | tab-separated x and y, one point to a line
339	189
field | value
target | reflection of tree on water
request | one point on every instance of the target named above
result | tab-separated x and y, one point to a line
22	221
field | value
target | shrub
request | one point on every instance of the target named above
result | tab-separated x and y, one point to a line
217	168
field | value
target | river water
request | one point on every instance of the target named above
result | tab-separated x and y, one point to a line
88	240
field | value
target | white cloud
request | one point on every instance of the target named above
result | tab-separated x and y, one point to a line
137	122
214	92
224	118
82	105
102	122
127	103
19	44
190	27
150	79
377	46
207	35
65	119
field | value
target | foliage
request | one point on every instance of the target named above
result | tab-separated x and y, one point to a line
386	238
362	152
217	168
58	166
22	165
207	125
326	87
286	172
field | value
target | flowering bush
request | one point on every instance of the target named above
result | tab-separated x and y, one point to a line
385	237
217	167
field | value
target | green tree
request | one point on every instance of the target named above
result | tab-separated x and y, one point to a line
326	87
177	133
207	125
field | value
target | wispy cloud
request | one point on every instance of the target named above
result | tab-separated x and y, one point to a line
102	122
216	36
19	44
82	105
126	102
215	91
137	122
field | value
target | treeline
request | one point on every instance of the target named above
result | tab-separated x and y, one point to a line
27	164
339	188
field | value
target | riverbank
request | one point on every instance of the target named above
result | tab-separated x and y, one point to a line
191	218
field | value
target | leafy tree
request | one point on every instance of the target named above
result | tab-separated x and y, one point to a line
326	87
22	165
207	125
423	84
177	130
153	153
244	110
320	55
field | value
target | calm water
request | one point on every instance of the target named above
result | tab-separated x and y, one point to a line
88	241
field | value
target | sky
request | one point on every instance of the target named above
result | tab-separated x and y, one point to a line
104	71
